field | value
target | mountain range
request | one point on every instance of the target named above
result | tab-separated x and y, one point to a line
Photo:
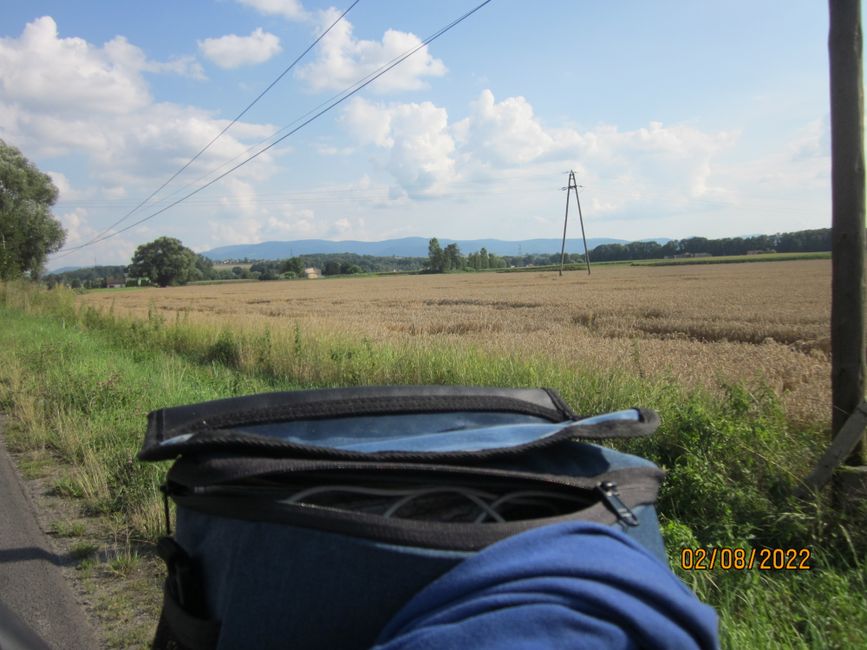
405	247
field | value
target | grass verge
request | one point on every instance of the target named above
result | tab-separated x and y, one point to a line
79	384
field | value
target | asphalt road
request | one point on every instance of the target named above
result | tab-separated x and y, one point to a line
31	582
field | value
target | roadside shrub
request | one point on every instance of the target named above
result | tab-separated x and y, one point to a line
730	476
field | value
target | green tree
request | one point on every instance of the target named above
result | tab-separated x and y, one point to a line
165	261
454	259
436	256
28	230
350	269
292	265
695	245
496	262
332	267
205	268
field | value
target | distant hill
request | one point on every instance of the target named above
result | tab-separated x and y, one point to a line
406	247
63	269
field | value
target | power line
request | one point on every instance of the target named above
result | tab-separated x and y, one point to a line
336	103
298	119
219	135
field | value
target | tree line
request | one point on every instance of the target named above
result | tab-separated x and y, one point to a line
444	260
166	261
801	241
328	264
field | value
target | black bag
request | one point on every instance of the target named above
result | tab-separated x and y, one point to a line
307	519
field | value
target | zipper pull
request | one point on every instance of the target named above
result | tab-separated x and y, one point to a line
608	490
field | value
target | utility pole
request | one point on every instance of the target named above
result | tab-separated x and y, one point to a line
847	189
573	185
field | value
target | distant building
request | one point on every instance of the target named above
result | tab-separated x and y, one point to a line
312	273
115	283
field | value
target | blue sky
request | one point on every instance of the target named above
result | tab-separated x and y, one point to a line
681	118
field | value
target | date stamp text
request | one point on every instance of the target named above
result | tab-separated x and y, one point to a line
739	559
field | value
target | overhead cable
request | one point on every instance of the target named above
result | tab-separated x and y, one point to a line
216	137
331	106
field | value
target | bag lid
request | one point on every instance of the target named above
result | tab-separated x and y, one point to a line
384	422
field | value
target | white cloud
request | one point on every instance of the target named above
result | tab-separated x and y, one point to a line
291	9
654	168
79	229
64	96
233	51
784	184
505	133
508	134
69	75
637	171
73	222
65	102
416	137
243	229
368	123
343	225
342	60
183	66
292	224
120	51
241	198
345	228
624	170
813	140
61	182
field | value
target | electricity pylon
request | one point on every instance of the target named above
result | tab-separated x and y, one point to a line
573	185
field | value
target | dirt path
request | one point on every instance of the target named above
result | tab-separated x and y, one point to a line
31	582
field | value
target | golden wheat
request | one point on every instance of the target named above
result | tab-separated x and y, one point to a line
698	325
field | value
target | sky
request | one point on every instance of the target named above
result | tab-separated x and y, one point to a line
680	118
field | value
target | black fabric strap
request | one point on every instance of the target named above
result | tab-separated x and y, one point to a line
179	630
183	624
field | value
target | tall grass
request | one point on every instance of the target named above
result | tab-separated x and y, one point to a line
80	382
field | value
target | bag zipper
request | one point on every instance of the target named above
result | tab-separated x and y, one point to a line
610	494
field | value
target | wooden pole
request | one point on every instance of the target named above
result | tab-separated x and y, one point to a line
565	221
581	219
847	189
841	447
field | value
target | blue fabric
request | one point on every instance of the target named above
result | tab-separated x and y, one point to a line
312	589
432	432
586	459
575	585
276	586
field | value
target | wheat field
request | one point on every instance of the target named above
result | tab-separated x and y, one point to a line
759	324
